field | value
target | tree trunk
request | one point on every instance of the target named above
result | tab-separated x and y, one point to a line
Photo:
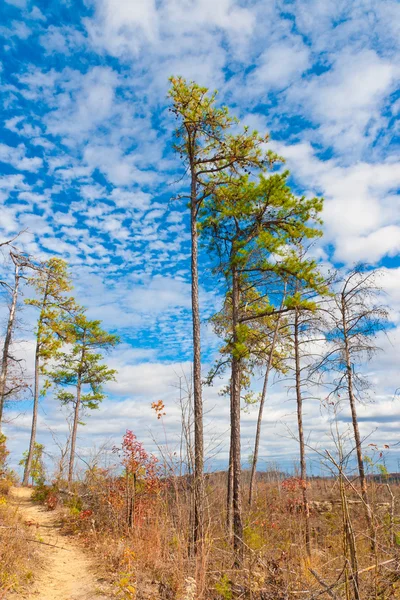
74	431
197	387
303	464
29	459
229	494
261	408
7	341
235	428
258	430
356	430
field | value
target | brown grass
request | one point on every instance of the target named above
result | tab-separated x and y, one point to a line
155	557
18	557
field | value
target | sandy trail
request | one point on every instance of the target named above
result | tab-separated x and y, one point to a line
68	573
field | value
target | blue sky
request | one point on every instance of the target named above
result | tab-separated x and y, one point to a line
86	167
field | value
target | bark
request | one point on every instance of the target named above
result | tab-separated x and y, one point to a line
303	464
229	495
258	430
29	459
349	543
197	387
356	430
235	429
7	341
74	430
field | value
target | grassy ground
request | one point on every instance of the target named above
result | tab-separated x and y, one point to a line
149	555
19	558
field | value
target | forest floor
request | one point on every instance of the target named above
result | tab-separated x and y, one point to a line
68	573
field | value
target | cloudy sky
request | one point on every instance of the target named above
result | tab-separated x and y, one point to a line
86	167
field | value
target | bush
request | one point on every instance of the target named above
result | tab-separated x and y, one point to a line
45	494
7	477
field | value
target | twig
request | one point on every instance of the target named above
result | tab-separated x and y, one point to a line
372	567
37	541
328	588
47	544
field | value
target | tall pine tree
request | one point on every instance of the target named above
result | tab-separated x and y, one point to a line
210	153
252	228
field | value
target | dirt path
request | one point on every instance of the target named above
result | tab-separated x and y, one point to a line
68	574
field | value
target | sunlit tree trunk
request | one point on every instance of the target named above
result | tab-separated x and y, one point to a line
197	386
74	430
35	410
258	430
229	493
235	426
303	464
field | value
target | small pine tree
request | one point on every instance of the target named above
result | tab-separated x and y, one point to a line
51	284
81	367
37	471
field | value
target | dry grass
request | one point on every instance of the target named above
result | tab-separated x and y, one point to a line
154	557
18	557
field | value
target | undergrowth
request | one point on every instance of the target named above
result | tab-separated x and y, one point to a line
18	557
139	522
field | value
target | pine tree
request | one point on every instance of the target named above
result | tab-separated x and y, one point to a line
37	472
80	366
252	228
51	284
210	153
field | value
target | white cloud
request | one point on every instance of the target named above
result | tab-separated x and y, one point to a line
370	248
127	199
18	3
280	64
37	14
346	100
120	28
192	15
63	40
17	29
160	294
119	169
86	102
16	156
149	379
361	213
123	29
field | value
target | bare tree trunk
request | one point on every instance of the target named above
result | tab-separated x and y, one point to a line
356	430
303	464
229	494
235	429
261	408
29	459
7	340
197	387
258	429
349	543
74	431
